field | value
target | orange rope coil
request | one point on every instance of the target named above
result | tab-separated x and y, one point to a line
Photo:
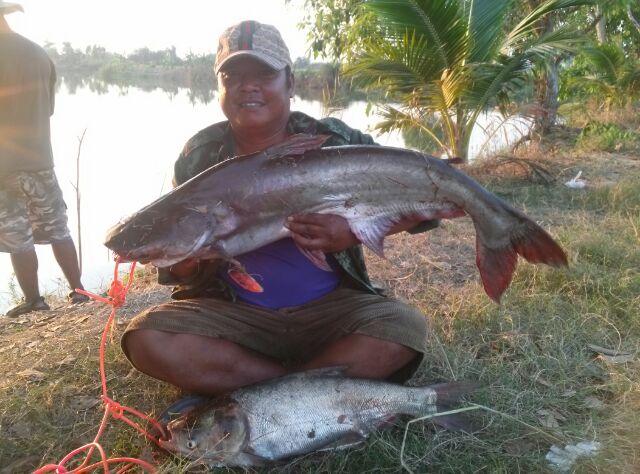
116	297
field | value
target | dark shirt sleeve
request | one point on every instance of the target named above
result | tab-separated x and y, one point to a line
203	150
179	175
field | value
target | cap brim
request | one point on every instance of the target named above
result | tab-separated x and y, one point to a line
269	61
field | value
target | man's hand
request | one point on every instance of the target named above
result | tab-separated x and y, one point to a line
331	233
326	232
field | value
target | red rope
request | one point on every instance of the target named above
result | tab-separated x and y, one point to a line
116	298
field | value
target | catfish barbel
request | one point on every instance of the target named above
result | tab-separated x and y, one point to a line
242	204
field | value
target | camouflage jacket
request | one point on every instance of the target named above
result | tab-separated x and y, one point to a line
215	144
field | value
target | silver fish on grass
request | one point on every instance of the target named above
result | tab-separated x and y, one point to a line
242	204
298	414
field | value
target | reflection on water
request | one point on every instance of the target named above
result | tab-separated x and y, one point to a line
134	133
197	92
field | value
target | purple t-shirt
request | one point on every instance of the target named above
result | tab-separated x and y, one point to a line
287	276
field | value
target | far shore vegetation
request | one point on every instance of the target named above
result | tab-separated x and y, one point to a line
148	69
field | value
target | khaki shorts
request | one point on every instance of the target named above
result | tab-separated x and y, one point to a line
294	335
32	210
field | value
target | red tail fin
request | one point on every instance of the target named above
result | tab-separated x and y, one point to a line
497	265
496	268
536	246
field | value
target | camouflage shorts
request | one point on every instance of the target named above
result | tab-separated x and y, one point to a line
32	211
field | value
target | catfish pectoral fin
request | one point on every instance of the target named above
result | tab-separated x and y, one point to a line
371	232
318	258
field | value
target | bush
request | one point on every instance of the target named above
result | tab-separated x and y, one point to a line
607	136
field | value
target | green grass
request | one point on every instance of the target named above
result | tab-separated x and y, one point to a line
607	136
540	382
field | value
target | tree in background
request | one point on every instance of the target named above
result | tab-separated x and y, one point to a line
336	28
445	62
620	19
605	74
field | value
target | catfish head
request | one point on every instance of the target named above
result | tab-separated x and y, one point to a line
215	432
160	236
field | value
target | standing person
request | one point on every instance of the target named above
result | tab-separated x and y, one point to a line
217	336
32	210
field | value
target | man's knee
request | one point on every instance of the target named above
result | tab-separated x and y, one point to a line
143	347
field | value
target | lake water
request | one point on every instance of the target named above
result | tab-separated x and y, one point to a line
132	139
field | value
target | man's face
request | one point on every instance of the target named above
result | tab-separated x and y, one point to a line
254	97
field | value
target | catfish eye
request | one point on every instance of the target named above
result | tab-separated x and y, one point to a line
191	444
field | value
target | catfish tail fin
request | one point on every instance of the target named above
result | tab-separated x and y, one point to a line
528	239
536	246
450	392
446	395
496	268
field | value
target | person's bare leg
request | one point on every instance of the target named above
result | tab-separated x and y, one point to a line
25	266
200	364
65	253
364	356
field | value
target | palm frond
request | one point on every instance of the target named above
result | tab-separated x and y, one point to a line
496	80
485	27
608	61
396	119
631	80
562	40
524	30
453	83
438	21
405	65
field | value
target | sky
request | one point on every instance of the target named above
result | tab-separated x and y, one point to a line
122	26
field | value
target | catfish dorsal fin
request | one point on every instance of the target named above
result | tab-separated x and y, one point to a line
296	145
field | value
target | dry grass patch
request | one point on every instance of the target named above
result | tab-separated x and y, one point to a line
543	383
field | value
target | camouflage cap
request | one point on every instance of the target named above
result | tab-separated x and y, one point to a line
9	7
250	38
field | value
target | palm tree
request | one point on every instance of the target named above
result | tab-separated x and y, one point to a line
611	78
445	62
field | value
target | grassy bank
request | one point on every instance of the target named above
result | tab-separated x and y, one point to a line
543	379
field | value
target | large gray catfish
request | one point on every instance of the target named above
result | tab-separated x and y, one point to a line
298	414
242	204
